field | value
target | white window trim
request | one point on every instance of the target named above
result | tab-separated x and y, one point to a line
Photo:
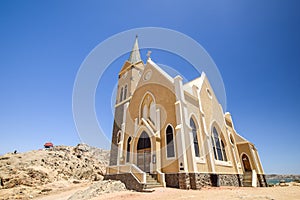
201	153
223	163
200	160
220	140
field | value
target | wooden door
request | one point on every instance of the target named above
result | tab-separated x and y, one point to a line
144	159
246	163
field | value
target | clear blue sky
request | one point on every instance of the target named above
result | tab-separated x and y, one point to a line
255	44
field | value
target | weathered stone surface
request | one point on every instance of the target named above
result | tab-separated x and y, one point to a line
172	180
184	181
229	180
128	179
97	189
199	180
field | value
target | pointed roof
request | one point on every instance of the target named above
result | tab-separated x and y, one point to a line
135	55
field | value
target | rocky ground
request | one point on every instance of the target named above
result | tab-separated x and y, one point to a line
35	173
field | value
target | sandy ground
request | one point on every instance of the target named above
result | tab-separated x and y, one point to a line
224	193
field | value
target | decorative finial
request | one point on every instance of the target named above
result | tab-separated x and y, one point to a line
148	55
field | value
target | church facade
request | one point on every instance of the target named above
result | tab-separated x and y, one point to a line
175	134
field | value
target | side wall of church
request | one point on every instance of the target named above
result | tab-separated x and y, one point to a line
194	113
214	117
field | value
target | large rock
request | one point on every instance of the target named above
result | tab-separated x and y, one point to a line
97	189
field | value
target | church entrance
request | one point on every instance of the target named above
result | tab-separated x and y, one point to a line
144	152
246	163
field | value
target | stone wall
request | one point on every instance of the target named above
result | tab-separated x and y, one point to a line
128	179
188	180
198	180
184	181
172	180
229	180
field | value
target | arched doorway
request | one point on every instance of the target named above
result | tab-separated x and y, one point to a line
144	152
246	163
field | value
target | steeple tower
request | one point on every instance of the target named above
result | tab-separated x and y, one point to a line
135	55
130	74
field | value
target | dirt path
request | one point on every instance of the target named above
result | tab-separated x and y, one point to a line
63	194
224	193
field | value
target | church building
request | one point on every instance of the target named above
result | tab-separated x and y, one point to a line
173	134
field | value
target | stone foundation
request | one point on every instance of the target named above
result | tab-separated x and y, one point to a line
172	180
229	180
188	180
198	180
184	181
128	179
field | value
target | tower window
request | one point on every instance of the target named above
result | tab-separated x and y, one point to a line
121	94
125	92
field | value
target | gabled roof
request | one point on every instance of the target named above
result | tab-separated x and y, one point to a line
197	82
160	70
125	67
135	55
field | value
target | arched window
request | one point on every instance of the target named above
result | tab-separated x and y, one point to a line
152	112
170	142
218	146
195	138
144	141
128	149
145	112
223	150
148	109
125	92
121	94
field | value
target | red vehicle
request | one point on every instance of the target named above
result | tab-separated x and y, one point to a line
48	145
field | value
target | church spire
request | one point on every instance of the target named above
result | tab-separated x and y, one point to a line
135	53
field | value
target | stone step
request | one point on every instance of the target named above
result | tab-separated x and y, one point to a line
152	185
151	180
247	184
